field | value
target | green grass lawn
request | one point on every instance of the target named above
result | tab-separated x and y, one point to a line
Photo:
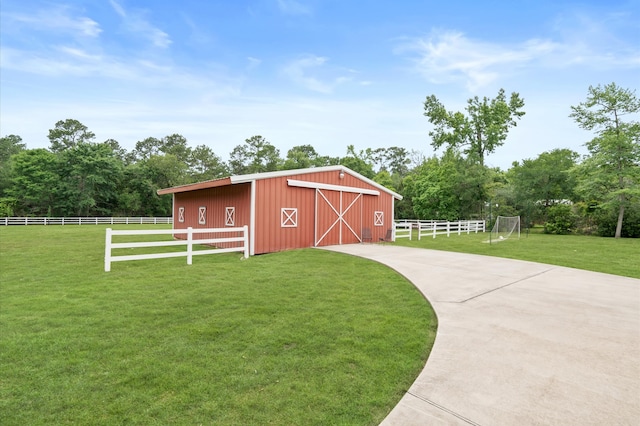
619	257
298	337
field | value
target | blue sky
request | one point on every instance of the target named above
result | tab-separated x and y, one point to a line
328	73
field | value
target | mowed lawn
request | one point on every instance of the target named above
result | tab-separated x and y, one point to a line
298	337
608	255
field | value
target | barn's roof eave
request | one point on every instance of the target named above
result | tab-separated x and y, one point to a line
337	168
195	186
267	175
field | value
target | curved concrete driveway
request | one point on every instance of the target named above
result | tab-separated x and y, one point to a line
519	343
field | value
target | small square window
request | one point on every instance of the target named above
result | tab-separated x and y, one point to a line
289	217
378	218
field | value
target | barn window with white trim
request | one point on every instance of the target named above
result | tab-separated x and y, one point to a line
230	216
289	217
181	214
378	218
202	215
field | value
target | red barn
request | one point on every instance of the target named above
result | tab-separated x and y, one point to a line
289	209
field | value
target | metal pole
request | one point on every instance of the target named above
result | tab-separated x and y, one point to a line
490	230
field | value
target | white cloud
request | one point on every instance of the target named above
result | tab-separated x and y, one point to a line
119	9
59	19
135	23
71	62
452	56
293	7
253	62
306	70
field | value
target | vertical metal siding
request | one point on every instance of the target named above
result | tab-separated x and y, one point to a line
273	194
216	200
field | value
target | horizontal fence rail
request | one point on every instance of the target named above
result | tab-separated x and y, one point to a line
431	228
7	221
189	242
402	230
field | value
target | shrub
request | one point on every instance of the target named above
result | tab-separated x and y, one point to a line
607	220
560	220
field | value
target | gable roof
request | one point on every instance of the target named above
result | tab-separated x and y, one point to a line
231	180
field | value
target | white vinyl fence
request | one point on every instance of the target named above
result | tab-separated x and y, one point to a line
431	228
189	242
6	221
402	230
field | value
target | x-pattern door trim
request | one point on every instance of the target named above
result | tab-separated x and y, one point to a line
289	217
340	215
378	219
230	216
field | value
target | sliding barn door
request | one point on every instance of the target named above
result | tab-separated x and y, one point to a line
338	217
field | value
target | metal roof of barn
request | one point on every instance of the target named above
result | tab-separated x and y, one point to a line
231	180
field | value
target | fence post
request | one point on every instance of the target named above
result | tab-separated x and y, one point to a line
434	224
448	228
459	226
245	231
189	245
107	251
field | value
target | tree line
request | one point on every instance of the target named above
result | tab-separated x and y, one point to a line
600	193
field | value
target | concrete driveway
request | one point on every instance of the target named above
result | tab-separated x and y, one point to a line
519	343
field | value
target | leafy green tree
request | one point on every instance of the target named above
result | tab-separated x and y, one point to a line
120	153
545	180
305	156
137	194
256	155
450	188
481	131
9	145
67	134
146	148
204	164
383	177
432	190
176	145
394	159
612	172
89	177
34	178
166	171
358	162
